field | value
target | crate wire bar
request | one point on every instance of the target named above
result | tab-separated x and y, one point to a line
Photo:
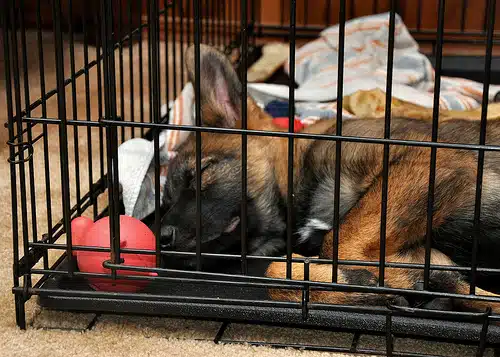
233	296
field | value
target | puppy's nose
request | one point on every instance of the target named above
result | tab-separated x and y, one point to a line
168	234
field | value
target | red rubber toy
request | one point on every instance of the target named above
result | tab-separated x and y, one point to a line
134	234
284	123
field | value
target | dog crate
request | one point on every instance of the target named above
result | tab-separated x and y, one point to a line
112	73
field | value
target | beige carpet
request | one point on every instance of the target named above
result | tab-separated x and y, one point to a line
64	334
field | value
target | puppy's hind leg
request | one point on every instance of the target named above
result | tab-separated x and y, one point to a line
443	281
323	273
406	225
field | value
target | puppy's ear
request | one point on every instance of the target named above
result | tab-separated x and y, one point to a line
219	86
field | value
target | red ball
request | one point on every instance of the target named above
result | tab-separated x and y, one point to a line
134	234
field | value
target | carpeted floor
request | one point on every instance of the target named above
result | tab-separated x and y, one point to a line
55	334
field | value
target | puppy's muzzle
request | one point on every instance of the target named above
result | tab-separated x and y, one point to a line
168	237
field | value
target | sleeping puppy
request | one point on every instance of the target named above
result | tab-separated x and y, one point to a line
313	206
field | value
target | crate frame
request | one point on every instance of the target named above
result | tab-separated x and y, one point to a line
390	321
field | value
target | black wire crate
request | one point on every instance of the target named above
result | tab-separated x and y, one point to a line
110	109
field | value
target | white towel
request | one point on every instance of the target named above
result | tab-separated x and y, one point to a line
135	157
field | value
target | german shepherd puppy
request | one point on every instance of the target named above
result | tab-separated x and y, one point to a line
314	182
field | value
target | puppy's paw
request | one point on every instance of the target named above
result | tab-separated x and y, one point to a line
277	270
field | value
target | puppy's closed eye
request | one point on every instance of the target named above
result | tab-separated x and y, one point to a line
191	174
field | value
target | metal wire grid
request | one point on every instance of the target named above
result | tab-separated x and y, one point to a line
111	124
